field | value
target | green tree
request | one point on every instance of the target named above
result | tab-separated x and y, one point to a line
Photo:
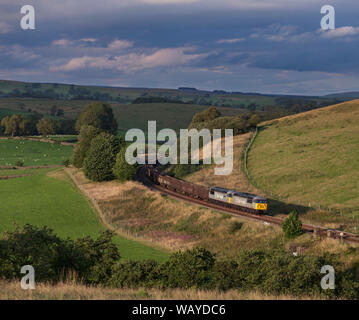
26	127
13	125
5	124
98	115
101	157
254	120
87	133
46	126
122	170
292	226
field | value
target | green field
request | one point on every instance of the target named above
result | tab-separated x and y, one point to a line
311	158
32	153
55	202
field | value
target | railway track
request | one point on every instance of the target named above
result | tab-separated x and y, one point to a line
320	232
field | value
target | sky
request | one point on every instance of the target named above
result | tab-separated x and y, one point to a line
266	46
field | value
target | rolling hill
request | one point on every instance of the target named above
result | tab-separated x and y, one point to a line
311	158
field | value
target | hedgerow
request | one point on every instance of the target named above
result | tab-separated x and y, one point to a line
97	262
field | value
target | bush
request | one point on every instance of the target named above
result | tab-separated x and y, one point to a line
292	226
37	247
53	258
19	163
189	269
134	274
101	157
66	163
235	226
122	170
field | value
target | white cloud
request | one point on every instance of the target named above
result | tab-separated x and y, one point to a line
236	40
275	32
340	32
120	44
133	61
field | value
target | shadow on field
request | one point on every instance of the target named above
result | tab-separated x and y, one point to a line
276	206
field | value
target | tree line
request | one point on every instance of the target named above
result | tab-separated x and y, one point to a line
32	125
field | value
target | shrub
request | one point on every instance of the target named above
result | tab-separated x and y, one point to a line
100	256
292	226
101	157
225	275
66	162
134	274
122	170
235	226
188	269
19	163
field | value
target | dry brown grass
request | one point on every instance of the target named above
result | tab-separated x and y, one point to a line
236	180
68	291
139	213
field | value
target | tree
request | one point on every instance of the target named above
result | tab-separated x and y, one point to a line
101	157
26	127
254	120
98	115
5	124
85	137
13	127
122	170
292	226
46	126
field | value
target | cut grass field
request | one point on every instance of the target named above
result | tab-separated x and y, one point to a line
311	159
32	153
48	198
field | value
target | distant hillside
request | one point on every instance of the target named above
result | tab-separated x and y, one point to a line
219	98
344	95
311	158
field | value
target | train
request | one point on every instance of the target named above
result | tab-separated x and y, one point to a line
240	201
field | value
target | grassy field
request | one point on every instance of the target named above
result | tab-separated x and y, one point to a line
168	115
69	291
48	198
32	153
311	158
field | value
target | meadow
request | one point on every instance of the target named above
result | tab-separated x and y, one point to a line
311	159
32	153
48	198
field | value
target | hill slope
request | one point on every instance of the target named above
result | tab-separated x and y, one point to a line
311	158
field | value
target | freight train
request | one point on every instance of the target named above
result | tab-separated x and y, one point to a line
228	198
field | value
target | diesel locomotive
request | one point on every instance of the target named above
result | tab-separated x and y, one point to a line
229	198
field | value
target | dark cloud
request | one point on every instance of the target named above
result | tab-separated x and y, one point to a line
241	45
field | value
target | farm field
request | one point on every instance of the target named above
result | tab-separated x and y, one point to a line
48	198
32	153
168	115
311	158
